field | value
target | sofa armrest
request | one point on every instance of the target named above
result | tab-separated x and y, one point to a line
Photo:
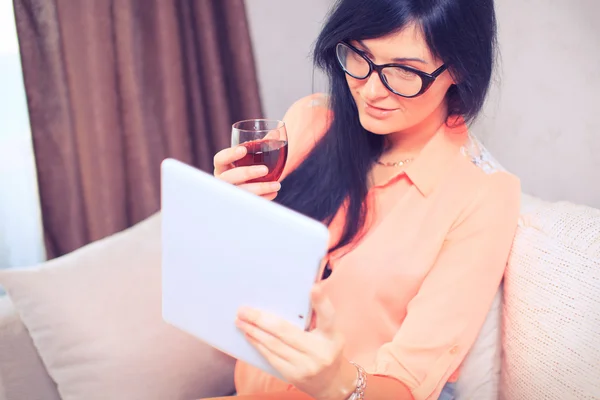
22	374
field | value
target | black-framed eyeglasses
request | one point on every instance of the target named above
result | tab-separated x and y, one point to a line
402	80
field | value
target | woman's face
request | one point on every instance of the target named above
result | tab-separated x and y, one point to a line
383	112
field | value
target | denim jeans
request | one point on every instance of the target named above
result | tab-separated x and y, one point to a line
448	392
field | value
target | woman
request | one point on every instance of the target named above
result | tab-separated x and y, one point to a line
421	235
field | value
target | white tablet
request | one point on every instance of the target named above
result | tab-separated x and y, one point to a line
222	248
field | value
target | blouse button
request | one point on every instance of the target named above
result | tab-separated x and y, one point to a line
454	350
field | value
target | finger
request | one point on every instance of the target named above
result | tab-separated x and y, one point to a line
239	175
269	342
324	310
223	159
296	367
274	134
262	188
269	196
282	365
282	330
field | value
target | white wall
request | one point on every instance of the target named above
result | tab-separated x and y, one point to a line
542	119
21	242
283	33
541	123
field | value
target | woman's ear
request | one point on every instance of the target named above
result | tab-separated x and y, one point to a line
454	77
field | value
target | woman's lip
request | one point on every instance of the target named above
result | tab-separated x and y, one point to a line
379	108
376	112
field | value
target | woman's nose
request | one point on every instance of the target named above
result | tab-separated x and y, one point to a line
374	87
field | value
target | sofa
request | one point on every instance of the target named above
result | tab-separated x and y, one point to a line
88	325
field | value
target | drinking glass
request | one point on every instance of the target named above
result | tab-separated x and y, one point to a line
266	142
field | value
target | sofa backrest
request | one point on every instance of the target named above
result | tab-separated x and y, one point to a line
22	374
551	312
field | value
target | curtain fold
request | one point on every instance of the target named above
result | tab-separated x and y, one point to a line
116	86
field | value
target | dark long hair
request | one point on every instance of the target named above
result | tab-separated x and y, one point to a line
461	33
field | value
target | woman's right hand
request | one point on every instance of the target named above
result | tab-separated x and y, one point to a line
239	176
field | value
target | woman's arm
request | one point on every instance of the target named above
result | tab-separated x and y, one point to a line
313	362
378	388
445	316
384	387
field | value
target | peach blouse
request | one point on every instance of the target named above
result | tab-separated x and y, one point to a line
412	294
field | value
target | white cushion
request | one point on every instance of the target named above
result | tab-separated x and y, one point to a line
552	305
480	371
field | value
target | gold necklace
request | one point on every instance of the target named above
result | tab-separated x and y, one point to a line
395	164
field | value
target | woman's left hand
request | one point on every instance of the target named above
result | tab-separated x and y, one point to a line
311	361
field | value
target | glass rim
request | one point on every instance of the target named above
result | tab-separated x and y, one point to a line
278	124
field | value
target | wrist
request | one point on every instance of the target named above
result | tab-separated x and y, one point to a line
344	385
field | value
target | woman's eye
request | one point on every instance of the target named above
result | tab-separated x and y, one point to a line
408	73
402	73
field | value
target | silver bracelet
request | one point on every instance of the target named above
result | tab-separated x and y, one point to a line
361	383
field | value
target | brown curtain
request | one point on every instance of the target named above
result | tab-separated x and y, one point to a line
116	86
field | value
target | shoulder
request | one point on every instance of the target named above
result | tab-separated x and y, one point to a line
488	178
307	111
494	196
315	100
306	121
486	173
500	187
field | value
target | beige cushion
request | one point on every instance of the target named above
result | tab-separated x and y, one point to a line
95	318
552	305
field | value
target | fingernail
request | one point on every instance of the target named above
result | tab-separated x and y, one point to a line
261	170
240	151
275	186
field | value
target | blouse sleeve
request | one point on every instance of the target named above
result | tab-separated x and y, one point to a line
445	316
